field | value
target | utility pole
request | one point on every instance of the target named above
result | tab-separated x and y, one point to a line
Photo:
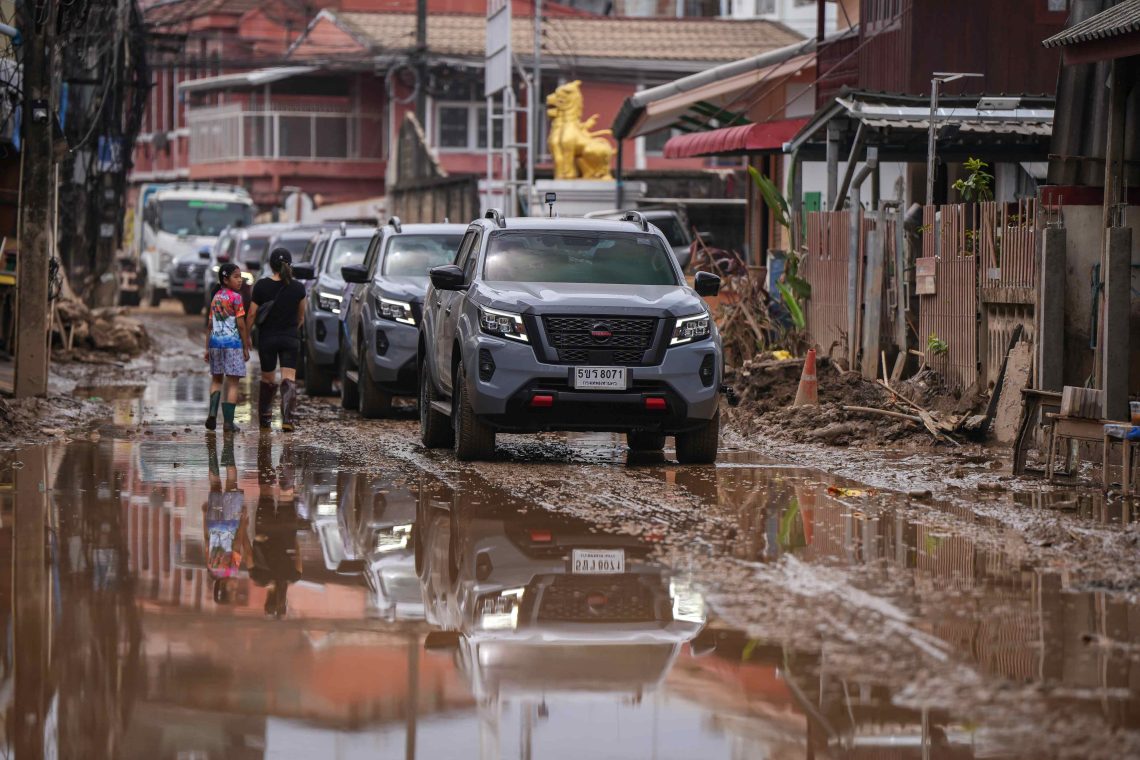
421	62
33	324
536	105
940	77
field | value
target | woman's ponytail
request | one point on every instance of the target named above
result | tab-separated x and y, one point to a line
286	273
281	262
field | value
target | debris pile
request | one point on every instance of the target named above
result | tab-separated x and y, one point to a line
851	410
83	334
36	419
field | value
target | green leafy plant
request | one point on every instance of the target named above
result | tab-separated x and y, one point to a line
936	345
773	199
793	288
978	184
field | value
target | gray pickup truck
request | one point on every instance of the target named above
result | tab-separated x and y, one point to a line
568	324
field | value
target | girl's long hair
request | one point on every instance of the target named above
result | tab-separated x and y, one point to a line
282	265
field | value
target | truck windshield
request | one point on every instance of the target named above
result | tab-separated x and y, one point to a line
346	252
672	230
297	247
253	250
414	255
194	217
604	258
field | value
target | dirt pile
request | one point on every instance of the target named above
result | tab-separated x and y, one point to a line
29	420
766	388
85	334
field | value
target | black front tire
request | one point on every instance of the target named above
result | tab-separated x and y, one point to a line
349	391
193	305
129	298
373	401
474	439
318	378
640	440
700	446
435	428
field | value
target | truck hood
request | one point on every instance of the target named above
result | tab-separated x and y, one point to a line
588	298
182	247
402	288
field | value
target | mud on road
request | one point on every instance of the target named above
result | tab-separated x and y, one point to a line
838	615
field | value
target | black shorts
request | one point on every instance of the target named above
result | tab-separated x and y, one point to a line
273	348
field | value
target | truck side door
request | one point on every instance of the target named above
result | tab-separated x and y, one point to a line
445	314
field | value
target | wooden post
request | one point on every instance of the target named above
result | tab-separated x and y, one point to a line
833	200
1050	310
30	605
872	302
33	328
1116	333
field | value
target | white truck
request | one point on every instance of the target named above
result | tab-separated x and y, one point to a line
173	224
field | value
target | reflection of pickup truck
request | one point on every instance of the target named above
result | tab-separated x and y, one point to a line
377	517
537	604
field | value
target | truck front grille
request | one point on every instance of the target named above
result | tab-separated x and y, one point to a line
580	339
609	598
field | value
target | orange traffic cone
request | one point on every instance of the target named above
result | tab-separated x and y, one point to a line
808	392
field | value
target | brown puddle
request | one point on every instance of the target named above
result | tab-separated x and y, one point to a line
385	615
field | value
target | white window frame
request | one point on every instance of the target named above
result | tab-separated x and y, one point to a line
473	108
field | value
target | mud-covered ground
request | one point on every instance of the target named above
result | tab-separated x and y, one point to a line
903	595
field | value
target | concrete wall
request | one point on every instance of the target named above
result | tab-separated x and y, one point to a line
1083	230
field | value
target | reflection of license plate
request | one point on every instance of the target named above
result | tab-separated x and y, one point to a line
190	284
597	561
600	378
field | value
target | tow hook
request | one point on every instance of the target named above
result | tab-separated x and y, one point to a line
730	395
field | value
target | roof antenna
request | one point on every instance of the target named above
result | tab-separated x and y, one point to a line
550	199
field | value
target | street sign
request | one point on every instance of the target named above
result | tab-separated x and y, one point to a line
497	60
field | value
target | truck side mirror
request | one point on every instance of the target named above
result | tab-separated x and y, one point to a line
447	277
354	273
706	284
304	272
441	641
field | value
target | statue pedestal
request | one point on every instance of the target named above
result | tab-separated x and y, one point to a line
578	197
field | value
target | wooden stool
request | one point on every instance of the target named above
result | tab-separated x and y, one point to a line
1112	434
1075	429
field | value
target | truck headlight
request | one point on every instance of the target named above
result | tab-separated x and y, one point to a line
689	329
503	324
499	612
329	301
397	311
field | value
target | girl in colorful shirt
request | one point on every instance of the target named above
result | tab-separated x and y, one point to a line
227	349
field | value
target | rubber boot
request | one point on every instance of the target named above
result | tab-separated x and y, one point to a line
212	415
228	414
288	404
265	404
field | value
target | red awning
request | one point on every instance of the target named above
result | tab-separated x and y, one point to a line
766	136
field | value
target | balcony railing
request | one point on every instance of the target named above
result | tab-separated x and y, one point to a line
297	133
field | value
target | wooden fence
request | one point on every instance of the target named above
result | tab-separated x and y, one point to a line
973	284
825	267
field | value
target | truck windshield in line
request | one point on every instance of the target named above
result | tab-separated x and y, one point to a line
296	246
414	255
198	217
346	252
253	249
671	229
602	258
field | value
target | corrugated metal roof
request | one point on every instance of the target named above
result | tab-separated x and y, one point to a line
1123	18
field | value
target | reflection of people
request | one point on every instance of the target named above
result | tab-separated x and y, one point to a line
278	311
227	349
226	524
276	556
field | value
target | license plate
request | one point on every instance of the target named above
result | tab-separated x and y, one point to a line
190	284
600	378
597	561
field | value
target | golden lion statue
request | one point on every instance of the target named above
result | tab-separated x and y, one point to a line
579	152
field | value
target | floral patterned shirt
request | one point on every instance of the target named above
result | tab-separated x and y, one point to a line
225	310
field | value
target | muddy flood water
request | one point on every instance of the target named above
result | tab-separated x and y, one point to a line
344	594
